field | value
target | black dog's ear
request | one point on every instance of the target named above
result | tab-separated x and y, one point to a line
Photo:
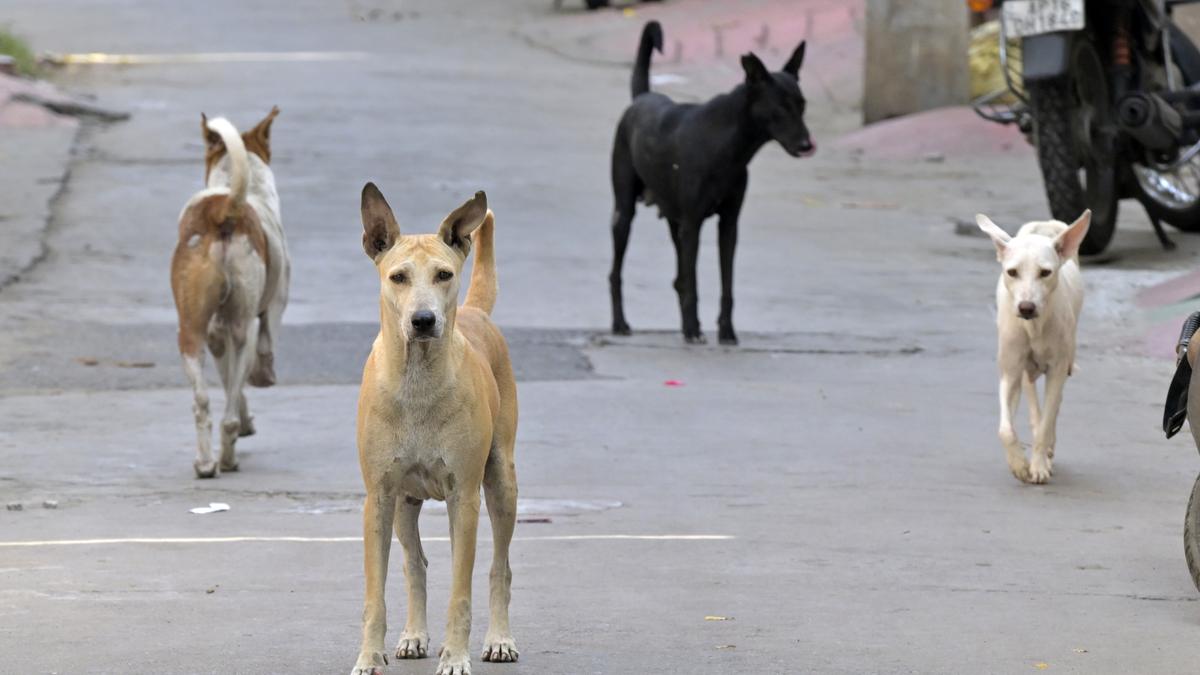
792	67
755	70
457	227
380	230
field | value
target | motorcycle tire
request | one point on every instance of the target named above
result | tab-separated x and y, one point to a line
1191	530
1053	103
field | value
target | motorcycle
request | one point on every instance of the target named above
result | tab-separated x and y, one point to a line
1108	91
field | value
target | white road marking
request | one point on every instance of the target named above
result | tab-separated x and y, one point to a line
96	58
335	540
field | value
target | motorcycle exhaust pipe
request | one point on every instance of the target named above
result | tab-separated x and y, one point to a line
1150	120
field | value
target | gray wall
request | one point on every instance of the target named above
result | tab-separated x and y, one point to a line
916	56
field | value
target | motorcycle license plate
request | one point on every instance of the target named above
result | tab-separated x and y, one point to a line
1023	18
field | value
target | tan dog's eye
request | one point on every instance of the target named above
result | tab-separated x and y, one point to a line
398	278
445	275
1012	272
1046	273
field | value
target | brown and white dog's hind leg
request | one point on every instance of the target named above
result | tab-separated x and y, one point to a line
237	361
247	420
378	513
263	372
500	489
464	526
193	366
414	641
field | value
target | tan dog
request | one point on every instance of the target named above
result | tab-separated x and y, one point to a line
437	418
230	277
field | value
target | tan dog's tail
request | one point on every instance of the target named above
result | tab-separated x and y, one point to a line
481	294
239	165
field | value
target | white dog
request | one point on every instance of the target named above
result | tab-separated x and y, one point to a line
1038	299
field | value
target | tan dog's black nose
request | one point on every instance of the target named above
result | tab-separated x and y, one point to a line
1026	309
423	321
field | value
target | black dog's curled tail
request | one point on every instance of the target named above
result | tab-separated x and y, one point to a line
652	38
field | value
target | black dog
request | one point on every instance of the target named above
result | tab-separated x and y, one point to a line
690	161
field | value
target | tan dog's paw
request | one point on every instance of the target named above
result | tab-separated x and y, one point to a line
1040	469
413	646
454	664
370	663
500	650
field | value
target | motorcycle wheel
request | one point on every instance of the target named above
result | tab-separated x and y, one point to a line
1191	530
1171	196
1072	184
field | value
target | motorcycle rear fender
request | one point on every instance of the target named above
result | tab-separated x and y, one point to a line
1045	56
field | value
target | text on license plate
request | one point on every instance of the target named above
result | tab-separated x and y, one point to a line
1023	18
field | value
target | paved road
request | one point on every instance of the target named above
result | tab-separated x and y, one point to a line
845	454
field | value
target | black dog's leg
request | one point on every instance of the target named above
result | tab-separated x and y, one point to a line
686	248
727	242
625	192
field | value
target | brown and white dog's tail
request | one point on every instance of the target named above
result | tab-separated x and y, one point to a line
481	293
239	164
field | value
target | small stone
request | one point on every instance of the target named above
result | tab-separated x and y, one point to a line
934	157
50	504
15	506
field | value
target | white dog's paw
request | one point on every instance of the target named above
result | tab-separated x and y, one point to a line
370	663
413	646
1019	467
454	663
1040	468
500	649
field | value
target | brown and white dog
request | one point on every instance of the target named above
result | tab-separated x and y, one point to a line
230	277
437	418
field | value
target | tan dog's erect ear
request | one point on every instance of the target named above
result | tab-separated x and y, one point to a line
457	227
1067	243
999	237
380	230
258	139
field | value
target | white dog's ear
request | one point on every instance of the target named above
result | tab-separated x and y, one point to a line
1067	243
999	237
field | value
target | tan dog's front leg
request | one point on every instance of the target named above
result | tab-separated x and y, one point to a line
500	487
378	512
464	525
414	642
1010	396
1041	464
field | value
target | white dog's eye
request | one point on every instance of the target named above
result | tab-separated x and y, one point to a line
1012	272
445	275
398	278
1046	273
